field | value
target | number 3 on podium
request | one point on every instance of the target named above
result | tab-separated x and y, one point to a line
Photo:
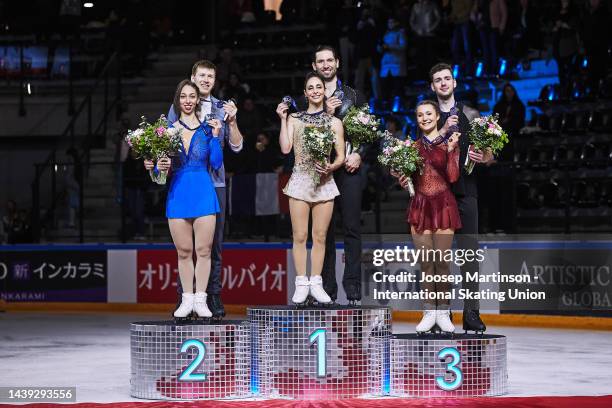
450	368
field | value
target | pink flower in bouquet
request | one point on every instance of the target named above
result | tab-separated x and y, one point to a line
363	119
408	142
160	130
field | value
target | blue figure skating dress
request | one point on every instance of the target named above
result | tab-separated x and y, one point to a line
192	193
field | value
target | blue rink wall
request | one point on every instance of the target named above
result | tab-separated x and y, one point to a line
577	272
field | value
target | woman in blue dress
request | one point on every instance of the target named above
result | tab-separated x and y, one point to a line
192	203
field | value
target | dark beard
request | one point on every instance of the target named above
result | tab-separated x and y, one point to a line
331	76
445	97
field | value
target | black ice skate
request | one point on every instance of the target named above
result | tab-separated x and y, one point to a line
216	307
472	322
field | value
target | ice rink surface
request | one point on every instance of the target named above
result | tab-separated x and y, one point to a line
92	352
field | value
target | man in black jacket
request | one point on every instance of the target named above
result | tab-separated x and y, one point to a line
349	180
457	117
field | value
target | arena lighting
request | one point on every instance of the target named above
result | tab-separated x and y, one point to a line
479	69
503	65
585	62
88	4
455	71
29	89
396	104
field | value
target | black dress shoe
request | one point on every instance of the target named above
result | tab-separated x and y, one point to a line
472	321
216	306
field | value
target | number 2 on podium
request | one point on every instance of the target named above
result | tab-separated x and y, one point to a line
188	374
450	368
318	336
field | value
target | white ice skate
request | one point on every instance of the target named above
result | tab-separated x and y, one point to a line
200	306
317	291
301	290
186	306
427	322
444	322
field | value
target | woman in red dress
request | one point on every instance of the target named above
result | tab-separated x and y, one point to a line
433	214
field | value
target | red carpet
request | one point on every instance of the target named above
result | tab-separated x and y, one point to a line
501	402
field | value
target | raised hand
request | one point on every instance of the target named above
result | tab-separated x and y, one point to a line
230	110
332	103
452	120
282	110
215	124
453	141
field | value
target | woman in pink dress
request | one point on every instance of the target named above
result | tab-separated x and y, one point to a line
306	196
433	214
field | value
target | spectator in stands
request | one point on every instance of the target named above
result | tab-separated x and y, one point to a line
520	29
393	62
24	228
265	157
495	204
595	35
565	43
73	178
461	41
424	20
290	10
234	89
226	66
393	126
240	11
511	111
490	17
70	17
9	221
365	53
251	120
135	183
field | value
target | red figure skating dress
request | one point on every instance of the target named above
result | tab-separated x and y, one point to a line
434	206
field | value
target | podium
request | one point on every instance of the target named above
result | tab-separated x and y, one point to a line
187	361
319	353
313	353
434	365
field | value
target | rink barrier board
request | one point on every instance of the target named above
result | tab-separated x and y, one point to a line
524	244
134	305
506	319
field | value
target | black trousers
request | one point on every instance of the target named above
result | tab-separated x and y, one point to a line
467	238
216	264
348	205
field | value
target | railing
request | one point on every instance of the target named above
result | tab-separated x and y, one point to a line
94	133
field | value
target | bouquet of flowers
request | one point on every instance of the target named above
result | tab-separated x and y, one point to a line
361	125
485	133
153	142
402	157
318	141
